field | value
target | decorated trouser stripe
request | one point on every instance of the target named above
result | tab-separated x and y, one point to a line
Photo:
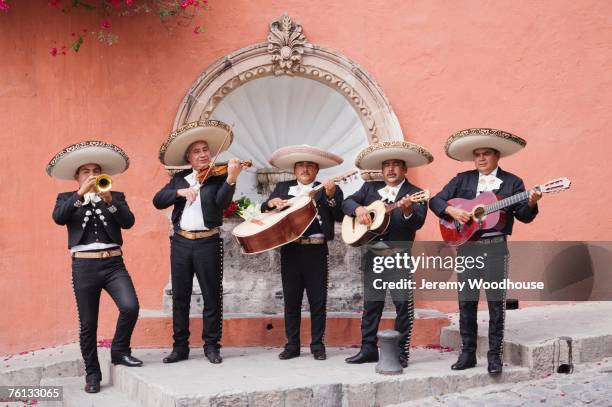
372	314
89	278
496	270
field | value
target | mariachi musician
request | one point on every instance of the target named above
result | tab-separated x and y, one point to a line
198	196
393	158
484	147
304	261
94	216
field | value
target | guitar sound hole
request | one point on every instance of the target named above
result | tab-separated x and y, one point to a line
479	213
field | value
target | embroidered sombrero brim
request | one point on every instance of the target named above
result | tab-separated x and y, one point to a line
111	159
216	134
461	145
372	157
286	157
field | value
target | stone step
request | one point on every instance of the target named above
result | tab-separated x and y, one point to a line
29	368
256	377
75	396
532	334
154	329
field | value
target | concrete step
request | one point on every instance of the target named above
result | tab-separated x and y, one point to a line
532	334
75	396
154	329
256	377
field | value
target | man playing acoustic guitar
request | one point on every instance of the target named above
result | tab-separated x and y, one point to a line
304	261
484	147
393	157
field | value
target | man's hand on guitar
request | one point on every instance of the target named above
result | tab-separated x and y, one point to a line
363	216
330	188
277	203
534	197
405	204
460	215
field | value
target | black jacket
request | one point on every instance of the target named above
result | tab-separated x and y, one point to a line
215	196
328	214
400	228
465	185
65	213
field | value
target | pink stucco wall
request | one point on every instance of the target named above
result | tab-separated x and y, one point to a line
538	69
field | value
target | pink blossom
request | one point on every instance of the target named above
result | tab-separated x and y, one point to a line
186	3
105	24
54	3
4	6
105	343
129	3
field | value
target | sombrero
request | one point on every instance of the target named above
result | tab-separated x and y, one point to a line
111	159
286	157
218	135
372	157
461	145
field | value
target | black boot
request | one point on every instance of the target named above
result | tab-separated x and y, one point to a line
466	360
92	384
365	355
289	353
495	363
125	359
176	356
213	353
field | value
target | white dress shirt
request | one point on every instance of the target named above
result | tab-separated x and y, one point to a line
489	182
192	218
301	190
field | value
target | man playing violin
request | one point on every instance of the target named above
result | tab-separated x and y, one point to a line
393	158
304	261
196	246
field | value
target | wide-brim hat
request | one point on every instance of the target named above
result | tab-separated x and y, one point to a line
286	157
372	157
111	159
216	134
461	145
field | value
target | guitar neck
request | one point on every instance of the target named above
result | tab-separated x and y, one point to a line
506	202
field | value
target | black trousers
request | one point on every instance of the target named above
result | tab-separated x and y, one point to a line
374	304
495	270
89	278
204	258
304	267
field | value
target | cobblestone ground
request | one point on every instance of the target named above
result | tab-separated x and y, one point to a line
589	385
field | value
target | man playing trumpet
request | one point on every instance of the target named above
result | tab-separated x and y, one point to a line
94	220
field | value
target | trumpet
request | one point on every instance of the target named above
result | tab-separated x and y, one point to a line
103	183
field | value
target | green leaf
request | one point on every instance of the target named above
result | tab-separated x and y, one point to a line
77	44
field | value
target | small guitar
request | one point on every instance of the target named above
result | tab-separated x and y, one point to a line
485	210
356	234
278	227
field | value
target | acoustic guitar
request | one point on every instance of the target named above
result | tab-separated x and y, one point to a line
356	234
486	211
278	227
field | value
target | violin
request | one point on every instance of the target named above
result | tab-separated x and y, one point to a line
218	169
